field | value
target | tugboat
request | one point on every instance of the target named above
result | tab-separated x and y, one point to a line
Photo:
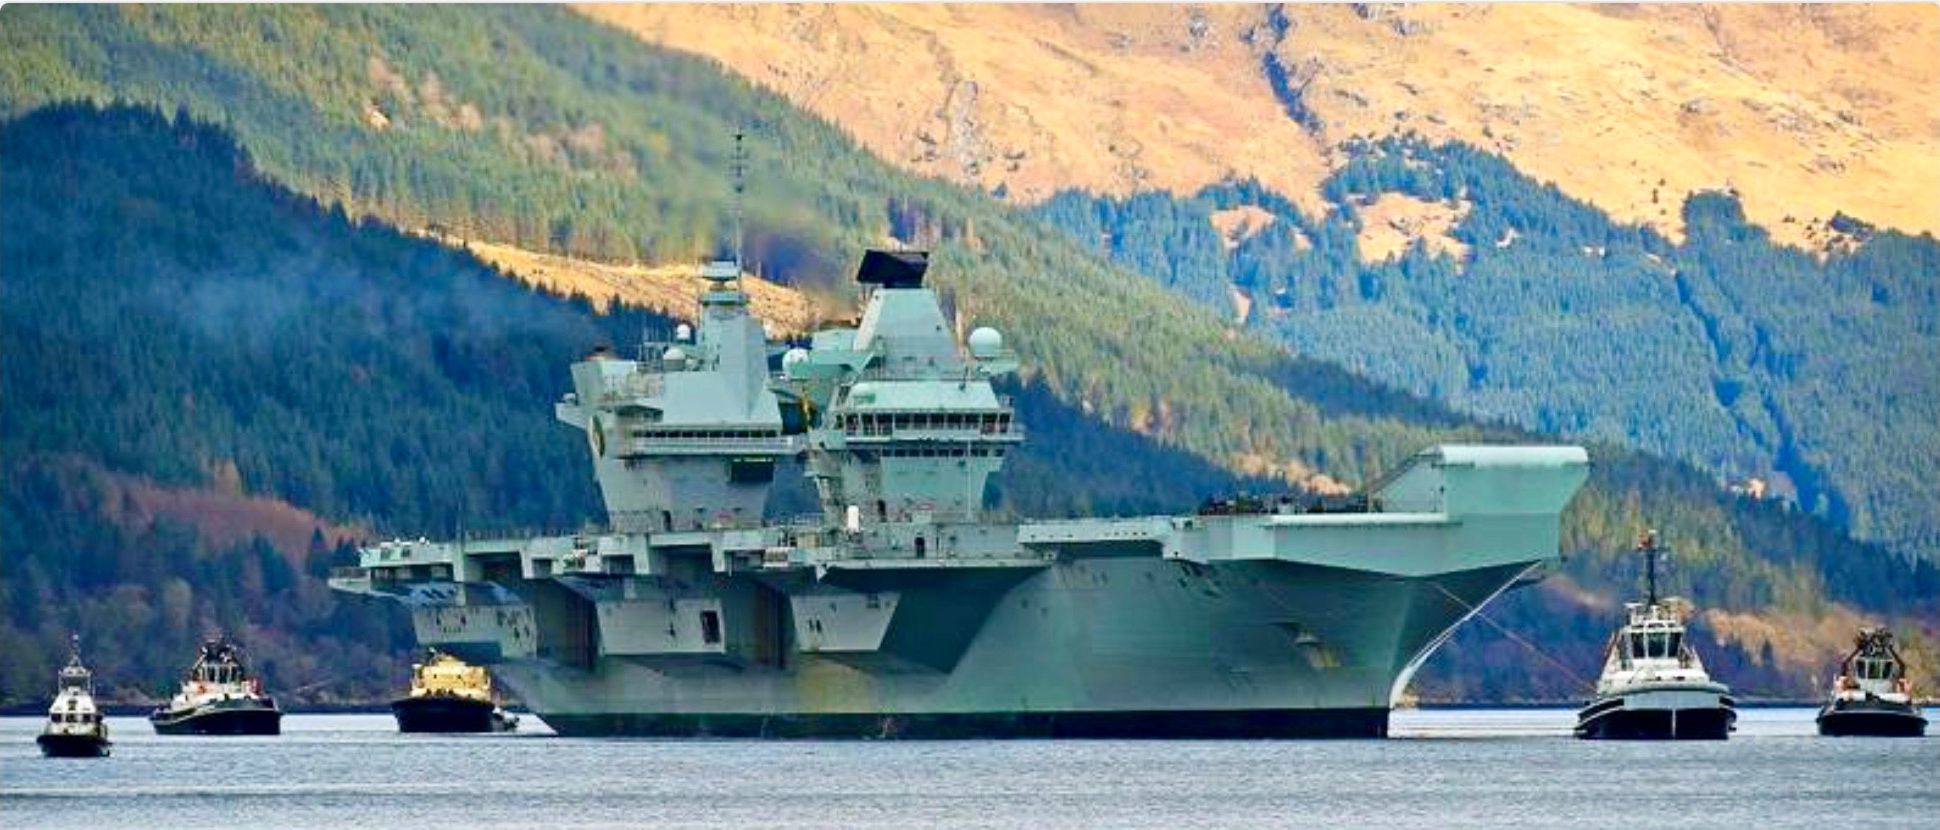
1653	686
75	728
219	698
1872	696
449	695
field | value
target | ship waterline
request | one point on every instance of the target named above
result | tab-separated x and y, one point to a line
904	611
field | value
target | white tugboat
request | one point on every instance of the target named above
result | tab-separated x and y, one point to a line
1653	686
75	728
219	698
1872	696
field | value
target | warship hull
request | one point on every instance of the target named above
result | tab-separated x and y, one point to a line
1108	648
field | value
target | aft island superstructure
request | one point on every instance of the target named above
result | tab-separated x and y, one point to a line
905	608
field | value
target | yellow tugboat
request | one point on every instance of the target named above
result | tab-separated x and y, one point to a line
450	695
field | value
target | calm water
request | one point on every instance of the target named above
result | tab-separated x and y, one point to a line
1447	769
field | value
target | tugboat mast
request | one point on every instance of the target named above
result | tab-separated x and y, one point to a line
1647	545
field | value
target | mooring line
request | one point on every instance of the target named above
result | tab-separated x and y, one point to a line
1477	613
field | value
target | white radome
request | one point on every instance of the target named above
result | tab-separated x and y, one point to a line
790	359
986	342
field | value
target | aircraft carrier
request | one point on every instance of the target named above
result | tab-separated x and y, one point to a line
906	610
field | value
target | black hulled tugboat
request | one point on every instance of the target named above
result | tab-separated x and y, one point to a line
449	695
1872	696
75	727
1653	686
219	698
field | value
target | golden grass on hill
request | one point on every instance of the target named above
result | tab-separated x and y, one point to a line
1236	225
1804	110
221	514
1392	222
1033	98
1813	644
669	289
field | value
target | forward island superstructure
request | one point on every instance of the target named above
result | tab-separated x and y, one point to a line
905	608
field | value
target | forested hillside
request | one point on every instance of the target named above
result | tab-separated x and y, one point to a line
1140	416
1750	359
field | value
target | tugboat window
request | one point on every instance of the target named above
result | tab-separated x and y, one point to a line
1657	644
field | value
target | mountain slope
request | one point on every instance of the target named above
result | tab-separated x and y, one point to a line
1807	111
1803	378
816	200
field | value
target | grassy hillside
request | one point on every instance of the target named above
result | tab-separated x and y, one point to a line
1807	110
1238	402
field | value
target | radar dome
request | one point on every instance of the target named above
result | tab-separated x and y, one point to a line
790	359
674	355
986	342
683	332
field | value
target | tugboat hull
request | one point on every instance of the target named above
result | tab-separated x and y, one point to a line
449	714
1877	719
220	720
1662	715
74	746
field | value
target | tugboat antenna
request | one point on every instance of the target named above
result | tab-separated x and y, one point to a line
1648	545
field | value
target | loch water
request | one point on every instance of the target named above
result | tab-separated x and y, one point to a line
1443	769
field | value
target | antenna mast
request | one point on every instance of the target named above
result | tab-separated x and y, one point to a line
738	166
1648	546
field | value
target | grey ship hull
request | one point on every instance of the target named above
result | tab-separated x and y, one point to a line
1108	647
